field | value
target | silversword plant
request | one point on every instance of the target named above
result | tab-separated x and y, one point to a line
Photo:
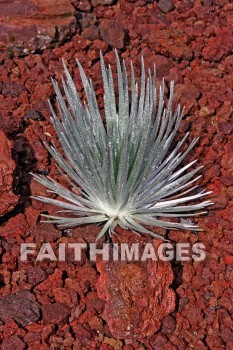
125	167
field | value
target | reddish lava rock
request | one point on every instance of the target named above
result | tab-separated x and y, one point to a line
225	127
113	33
55	313
21	306
16	226
165	6
36	275
163	64
137	295
34	25
170	42
101	2
227	180
186	94
13	343
7	166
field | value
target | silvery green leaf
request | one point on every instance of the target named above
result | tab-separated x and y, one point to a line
125	167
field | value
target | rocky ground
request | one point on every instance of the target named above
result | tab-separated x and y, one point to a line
55	305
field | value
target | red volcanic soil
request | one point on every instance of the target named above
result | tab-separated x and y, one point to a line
72	305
